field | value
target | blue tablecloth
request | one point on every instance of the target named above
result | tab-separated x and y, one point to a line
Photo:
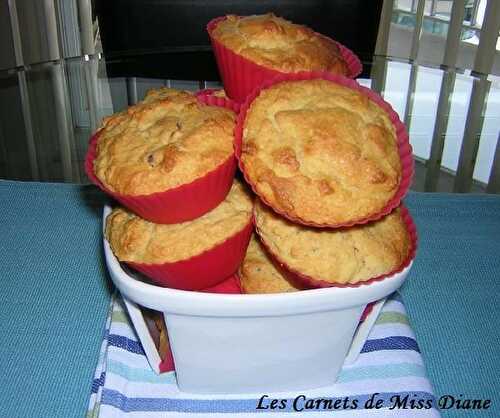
55	294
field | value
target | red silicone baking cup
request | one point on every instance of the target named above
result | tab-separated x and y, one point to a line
404	147
167	364
366	311
228	286
203	270
208	96
240	76
180	204
308	282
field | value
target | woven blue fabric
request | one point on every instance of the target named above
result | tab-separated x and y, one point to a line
452	295
55	295
54	298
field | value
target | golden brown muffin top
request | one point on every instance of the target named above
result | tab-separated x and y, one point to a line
276	43
345	255
320	152
167	140
137	240
259	275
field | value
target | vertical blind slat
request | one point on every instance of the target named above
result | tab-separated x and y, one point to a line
486	50
410	97
86	27
132	90
384	27
433	164
62	116
454	32
415	44
28	126
438	137
417	33
472	135
23	89
483	63
90	73
52	34
379	67
494	180
16	34
379	74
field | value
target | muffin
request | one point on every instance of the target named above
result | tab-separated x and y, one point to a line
191	255
337	256
319	152
258	273
278	44
254	49
167	140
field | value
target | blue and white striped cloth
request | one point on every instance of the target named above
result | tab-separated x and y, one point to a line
390	364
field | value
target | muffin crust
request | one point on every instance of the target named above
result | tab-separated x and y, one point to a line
259	275
320	152
276	43
167	140
345	255
134	239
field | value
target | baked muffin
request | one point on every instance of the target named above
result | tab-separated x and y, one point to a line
258	273
278	44
319	152
344	255
167	140
136	240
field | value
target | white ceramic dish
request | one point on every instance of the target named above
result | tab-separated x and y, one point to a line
254	343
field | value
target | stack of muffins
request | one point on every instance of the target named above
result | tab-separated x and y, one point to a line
325	160
328	162
169	160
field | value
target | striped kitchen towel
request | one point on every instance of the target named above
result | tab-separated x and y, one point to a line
389	373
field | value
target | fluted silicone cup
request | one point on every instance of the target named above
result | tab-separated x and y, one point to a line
403	143
209	97
240	76
180	204
301	279
228	286
203	270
